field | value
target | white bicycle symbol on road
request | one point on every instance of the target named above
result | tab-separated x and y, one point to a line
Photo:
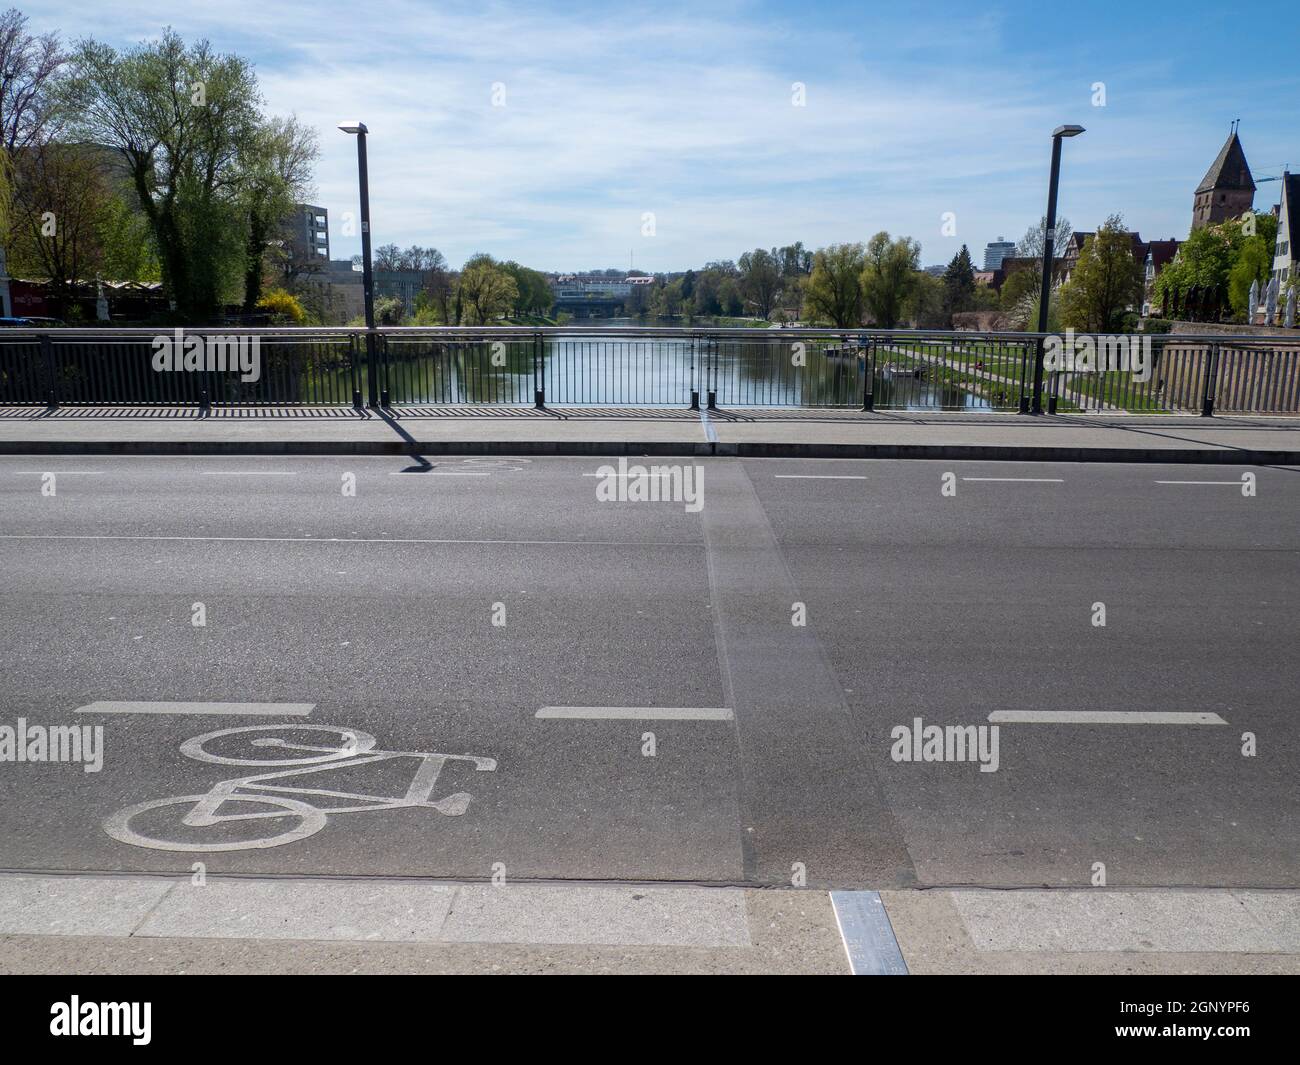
352	749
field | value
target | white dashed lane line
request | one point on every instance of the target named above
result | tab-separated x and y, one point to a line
637	713
112	707
1106	717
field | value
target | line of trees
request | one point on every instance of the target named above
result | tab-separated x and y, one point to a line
484	290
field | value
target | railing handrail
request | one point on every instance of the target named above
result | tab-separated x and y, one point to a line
343	332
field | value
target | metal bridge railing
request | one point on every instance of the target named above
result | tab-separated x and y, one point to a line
644	366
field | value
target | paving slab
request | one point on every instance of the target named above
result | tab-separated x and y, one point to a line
79	906
356	910
1091	921
613	915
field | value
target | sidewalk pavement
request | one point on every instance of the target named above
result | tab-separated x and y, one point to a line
99	923
806	433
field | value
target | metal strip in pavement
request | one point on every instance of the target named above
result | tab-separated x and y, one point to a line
1235	484
868	936
1106	717
1035	480
271	709
637	713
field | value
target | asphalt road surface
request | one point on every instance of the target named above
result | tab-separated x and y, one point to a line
438	612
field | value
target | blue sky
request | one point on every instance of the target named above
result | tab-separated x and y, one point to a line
613	110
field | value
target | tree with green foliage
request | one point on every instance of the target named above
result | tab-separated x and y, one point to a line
958	285
61	204
1105	282
666	299
127	251
181	118
794	259
833	291
924	306
274	175
389	311
1018	285
760	280
1251	238
730	302
1195	285
535	295
888	277
486	291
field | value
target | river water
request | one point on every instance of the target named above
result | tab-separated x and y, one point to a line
595	365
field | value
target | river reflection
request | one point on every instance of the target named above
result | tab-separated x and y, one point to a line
594	365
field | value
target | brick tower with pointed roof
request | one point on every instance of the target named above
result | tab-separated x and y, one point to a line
1227	190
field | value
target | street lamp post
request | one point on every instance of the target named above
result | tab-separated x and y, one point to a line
358	129
1049	235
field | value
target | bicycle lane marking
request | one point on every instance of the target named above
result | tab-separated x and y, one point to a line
358	749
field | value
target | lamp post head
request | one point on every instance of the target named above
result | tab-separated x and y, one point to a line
1067	131
353	127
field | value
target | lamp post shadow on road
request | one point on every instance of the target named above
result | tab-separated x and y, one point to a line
359	130
1049	235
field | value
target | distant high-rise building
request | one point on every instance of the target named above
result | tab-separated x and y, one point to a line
1227	190
997	250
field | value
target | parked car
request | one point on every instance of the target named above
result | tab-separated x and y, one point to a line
31	323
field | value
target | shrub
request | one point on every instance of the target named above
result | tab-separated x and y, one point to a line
282	307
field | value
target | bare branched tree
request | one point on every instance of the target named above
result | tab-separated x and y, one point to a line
29	66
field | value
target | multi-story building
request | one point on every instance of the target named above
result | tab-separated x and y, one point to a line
997	250
589	286
309	231
344	280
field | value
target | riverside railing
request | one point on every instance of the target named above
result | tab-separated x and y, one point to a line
651	367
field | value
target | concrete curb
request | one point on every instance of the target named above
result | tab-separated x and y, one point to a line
1226	456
